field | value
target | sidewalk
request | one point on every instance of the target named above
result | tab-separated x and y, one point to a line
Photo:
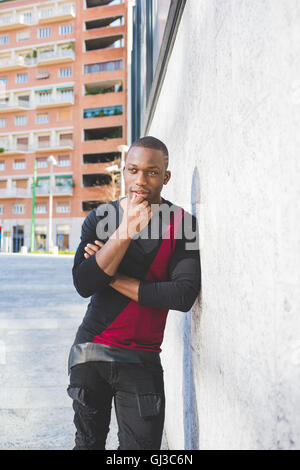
39	314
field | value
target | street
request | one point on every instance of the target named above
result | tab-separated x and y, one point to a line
40	311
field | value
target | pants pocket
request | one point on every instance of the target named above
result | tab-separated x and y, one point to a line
149	404
77	393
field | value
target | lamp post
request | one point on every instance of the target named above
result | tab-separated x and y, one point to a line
33	208
52	162
123	149
114	172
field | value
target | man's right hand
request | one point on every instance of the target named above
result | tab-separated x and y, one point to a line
136	215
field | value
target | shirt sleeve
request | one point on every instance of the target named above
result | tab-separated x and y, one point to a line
184	283
88	277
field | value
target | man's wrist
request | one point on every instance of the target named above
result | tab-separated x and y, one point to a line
122	232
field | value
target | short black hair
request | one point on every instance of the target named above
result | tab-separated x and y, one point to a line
152	143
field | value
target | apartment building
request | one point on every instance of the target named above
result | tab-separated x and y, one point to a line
62	94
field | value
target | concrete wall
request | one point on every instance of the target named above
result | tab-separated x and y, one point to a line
229	113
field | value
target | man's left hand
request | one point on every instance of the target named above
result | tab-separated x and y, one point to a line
91	249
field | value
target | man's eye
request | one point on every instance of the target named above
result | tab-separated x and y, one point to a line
153	172
132	169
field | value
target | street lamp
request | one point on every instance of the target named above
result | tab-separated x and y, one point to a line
123	149
114	171
52	162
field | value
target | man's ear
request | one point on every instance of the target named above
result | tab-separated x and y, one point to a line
167	177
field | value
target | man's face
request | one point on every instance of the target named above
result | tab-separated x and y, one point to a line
145	173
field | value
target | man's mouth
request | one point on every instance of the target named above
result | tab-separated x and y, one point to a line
140	193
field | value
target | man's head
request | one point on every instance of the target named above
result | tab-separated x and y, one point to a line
145	171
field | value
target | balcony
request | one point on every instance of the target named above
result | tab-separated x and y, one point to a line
13	149
55	102
59	56
104	42
103	87
101	3
66	190
9	193
109	22
10	22
53	14
14	105
57	145
15	63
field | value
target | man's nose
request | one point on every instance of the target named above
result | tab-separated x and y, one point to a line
140	178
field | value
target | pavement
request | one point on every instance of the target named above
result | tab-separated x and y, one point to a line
40	312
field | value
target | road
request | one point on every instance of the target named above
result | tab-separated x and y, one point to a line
40	312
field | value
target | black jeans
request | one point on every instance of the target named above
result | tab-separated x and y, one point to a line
139	399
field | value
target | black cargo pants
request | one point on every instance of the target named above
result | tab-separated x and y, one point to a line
139	400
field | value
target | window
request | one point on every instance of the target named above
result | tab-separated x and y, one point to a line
4	39
22	143
22	78
103	66
155	24
96	3
66	139
46	12
64	181
66	29
41	162
42	74
44	33
62	207
64	115
20	120
2	122
65	72
43	141
18	209
27	16
3	82
100	112
1	209
19	164
66	94
40	208
44	97
23	36
42	118
64	160
2	165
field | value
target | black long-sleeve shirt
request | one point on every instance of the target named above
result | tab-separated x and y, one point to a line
164	257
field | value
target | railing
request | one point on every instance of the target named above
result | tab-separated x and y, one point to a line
8	62
11	19
56	190
14	193
19	61
61	53
54	145
13	148
15	104
61	11
59	99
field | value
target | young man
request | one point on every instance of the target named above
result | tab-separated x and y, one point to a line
138	258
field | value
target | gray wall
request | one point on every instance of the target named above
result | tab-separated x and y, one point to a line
229	112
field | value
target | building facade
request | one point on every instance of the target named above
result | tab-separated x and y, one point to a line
224	96
63	80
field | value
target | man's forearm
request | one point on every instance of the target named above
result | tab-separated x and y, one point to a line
113	251
126	285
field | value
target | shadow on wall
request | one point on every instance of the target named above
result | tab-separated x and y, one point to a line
190	412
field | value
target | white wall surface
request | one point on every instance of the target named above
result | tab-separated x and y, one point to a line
229	112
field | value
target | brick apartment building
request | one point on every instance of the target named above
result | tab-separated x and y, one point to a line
62	93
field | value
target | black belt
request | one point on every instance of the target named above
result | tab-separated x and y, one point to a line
87	352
